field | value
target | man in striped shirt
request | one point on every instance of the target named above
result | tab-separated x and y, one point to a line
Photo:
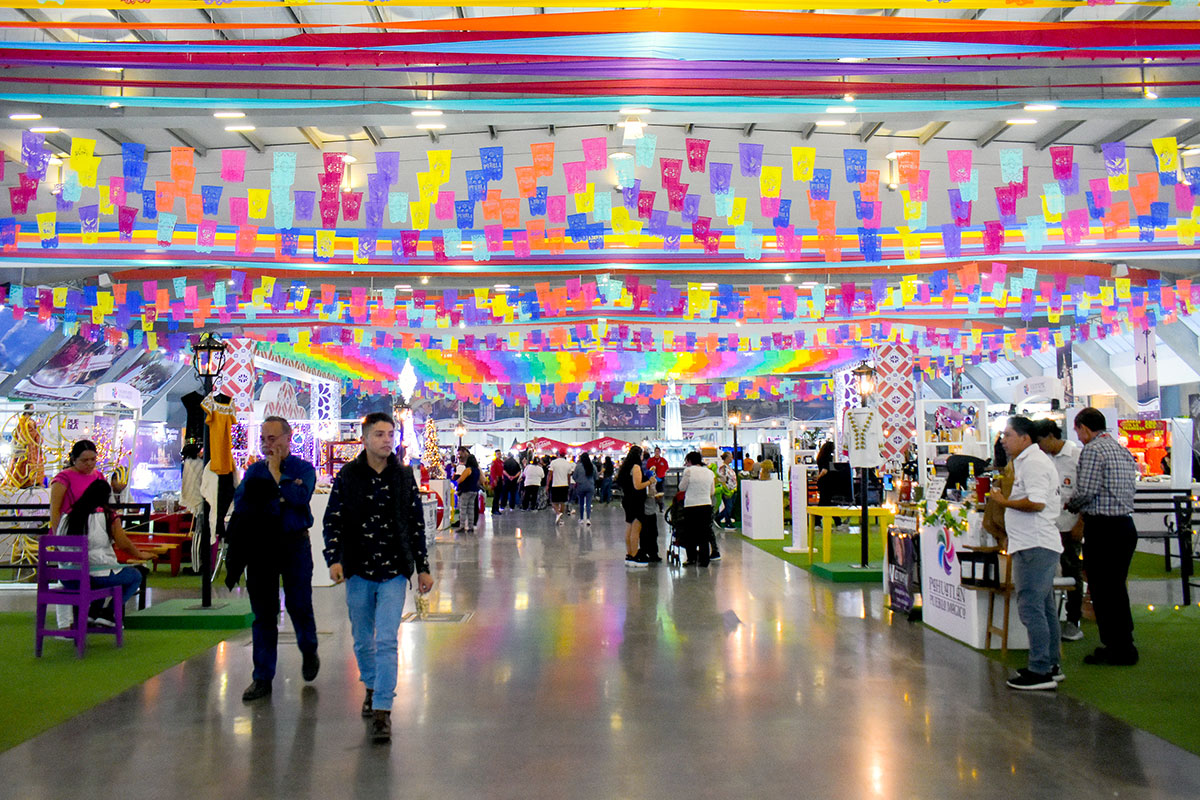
1104	490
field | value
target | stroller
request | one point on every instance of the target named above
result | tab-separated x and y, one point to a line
674	519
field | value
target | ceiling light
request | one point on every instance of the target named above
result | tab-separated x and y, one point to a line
55	160
462	324
431	126
840	110
348	159
1040	107
46	129
229	114
1149	94
424	279
239	128
621	156
24	117
633	112
851	60
112	69
788	277
1020	122
501	287
426	112
114	104
893	186
892	156
830	123
847	98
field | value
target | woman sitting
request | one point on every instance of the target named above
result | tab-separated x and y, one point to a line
93	517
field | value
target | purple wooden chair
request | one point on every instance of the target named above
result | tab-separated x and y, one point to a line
65	558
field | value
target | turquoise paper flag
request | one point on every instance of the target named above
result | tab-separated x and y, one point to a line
645	150
1012	165
218	294
969	191
180	285
1055	203
166	226
602	207
479	250
921	222
1035	233
397	207
285	168
753	249
724	203
72	190
285	210
625	169
453	239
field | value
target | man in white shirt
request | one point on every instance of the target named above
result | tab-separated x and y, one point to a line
533	476
1030	516
560	484
1065	455
698	485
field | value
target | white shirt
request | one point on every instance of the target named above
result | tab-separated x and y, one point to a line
534	475
1067	464
697	485
1035	480
560	472
864	437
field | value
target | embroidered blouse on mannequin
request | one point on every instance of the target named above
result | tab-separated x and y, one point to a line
220	419
864	437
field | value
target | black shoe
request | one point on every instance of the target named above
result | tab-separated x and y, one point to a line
1105	656
715	556
312	665
703	563
366	706
256	691
1031	681
381	726
1057	674
654	559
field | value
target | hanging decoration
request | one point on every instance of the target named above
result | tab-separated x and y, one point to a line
433	453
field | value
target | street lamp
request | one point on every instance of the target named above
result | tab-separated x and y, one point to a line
864	384
735	419
460	431
208	359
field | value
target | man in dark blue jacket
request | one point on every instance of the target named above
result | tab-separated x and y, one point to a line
272	508
375	541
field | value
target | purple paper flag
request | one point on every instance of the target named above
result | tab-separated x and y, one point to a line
751	158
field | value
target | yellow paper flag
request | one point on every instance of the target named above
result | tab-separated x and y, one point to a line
585	201
81	149
803	160
46	224
439	164
1122	288
770	180
427	184
1167	150
256	200
738	215
325	243
420	214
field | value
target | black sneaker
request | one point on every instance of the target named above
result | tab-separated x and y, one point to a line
715	556
1031	681
381	726
1057	674
312	665
653	559
256	691
367	709
1109	657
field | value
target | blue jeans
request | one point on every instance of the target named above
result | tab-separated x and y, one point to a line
290	562
606	490
725	516
128	578
1033	580
375	611
584	496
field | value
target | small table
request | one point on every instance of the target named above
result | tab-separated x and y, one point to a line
881	516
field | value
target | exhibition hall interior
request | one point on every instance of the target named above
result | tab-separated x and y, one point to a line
664	399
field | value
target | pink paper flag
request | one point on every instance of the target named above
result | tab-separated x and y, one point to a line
576	175
239	210
697	154
960	165
1101	194
233	165
556	208
520	240
1061	159
672	169
595	153
444	207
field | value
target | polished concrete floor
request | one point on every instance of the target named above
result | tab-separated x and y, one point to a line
577	677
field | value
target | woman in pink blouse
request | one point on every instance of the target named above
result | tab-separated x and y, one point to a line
68	486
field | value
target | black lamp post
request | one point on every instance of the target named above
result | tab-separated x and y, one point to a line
208	359
460	431
864	384
735	419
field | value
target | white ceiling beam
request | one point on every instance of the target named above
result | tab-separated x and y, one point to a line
982	382
1094	356
1057	133
992	134
1186	133
1122	133
931	131
38	16
313	138
253	141
868	130
185	138
1182	342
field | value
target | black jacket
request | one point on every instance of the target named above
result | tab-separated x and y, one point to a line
343	524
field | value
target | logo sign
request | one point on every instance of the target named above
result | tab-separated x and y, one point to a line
119	393
945	548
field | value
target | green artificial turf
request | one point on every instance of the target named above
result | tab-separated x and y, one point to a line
1158	693
847	548
43	692
185	580
1150	567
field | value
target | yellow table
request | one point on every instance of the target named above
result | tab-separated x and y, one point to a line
883	517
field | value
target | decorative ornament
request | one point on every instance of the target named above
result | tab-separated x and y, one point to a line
433	453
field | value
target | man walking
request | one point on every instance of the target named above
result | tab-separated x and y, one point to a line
512	474
375	541
534	475
1065	456
1030	512
1104	494
657	466
560	484
272	506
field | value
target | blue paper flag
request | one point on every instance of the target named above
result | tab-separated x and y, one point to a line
210	199
149	204
822	180
691	207
537	203
304	202
476	185
493	162
464	214
952	240
856	165
783	217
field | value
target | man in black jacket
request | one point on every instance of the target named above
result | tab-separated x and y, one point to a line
374	541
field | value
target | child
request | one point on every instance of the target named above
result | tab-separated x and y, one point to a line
648	541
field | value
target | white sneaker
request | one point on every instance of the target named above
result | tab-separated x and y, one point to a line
557	518
1071	633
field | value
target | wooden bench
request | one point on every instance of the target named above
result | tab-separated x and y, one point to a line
1005	591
